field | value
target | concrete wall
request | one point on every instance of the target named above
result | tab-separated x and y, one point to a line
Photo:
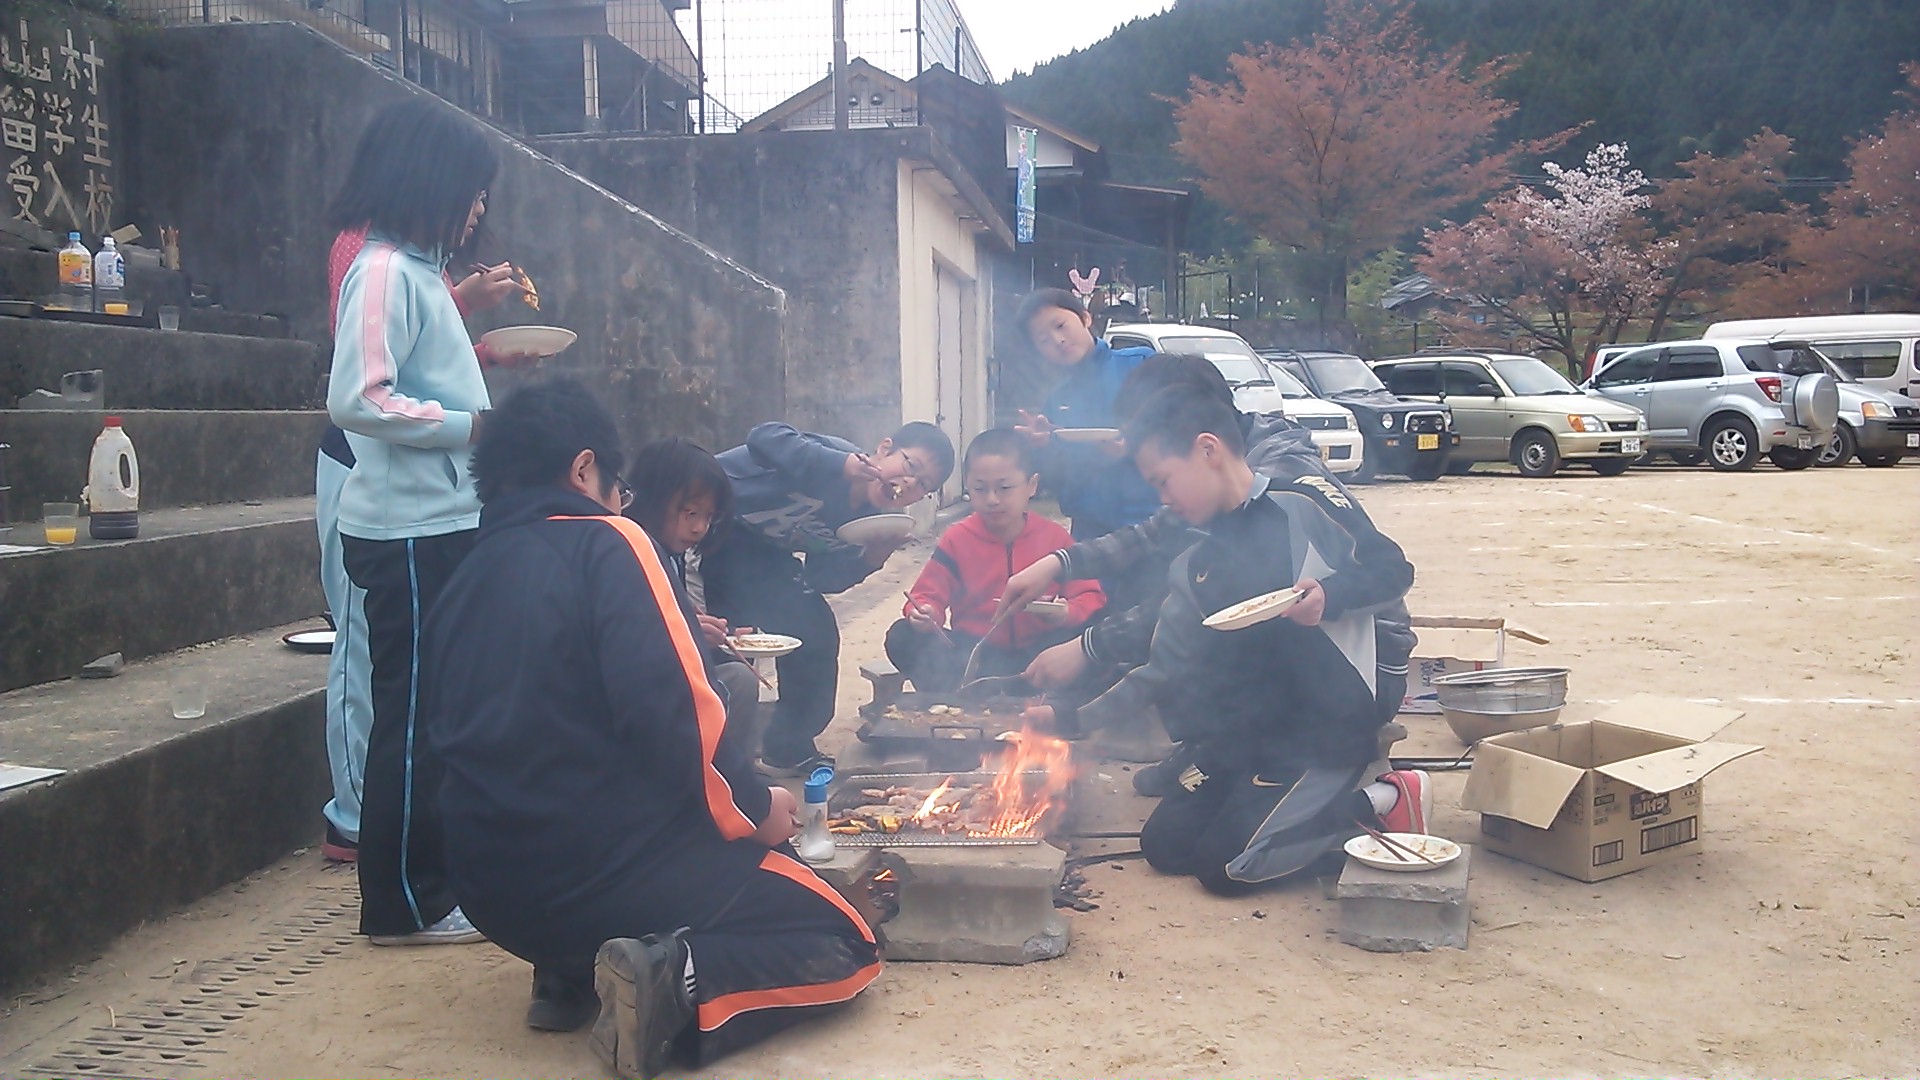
945	299
240	134
815	213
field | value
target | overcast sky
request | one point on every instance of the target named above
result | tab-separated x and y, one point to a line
1018	34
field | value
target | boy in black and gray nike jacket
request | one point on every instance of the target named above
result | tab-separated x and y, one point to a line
1279	719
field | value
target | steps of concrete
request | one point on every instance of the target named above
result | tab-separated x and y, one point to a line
29	274
187	457
153	812
151	369
194	575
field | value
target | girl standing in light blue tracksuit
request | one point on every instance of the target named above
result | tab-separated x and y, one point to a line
407	389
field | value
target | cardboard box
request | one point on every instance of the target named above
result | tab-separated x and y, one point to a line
1451	644
1598	798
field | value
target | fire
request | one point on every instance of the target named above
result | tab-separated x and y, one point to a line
931	806
1019	797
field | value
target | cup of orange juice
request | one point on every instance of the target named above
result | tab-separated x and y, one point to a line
62	522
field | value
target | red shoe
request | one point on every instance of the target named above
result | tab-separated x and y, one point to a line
337	848
1410	814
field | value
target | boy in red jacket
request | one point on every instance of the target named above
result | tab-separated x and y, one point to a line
951	605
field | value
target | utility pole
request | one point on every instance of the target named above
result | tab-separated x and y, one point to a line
840	119
700	57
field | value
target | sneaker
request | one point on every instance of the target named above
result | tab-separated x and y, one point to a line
1162	778
452	930
561	1004
336	848
799	770
1410	814
645	1003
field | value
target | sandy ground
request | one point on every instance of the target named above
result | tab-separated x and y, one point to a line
1787	948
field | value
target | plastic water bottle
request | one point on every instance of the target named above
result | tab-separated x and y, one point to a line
113	486
816	843
109	278
76	275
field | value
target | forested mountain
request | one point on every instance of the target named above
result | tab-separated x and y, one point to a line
1666	77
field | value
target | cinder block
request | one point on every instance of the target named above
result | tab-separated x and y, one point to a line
978	905
1385	911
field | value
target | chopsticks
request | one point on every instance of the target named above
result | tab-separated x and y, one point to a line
1395	848
941	630
483	268
728	644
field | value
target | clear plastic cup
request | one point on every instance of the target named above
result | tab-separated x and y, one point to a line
188	695
62	522
169	317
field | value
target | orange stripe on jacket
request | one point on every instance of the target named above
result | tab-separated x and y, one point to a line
714	1014
707	706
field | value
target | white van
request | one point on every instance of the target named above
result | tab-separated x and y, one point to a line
1876	349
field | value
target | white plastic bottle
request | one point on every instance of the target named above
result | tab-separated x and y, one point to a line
815	842
109	276
113	486
76	275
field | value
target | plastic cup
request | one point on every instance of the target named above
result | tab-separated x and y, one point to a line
189	696
169	317
62	522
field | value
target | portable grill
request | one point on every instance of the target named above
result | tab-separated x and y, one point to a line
949	742
849	796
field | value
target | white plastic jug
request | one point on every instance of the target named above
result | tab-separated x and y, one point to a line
113	486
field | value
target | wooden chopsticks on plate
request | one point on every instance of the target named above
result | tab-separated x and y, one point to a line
1395	848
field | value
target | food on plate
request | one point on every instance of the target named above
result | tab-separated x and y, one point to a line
528	293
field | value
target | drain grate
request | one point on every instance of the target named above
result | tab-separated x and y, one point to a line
178	1033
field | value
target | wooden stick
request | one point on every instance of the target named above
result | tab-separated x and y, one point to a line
1399	850
751	666
941	630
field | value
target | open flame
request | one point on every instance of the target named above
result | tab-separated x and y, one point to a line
1032	780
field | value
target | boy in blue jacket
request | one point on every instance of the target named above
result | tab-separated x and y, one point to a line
1099	488
792	491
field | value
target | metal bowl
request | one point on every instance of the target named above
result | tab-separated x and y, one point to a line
1504	690
1471	726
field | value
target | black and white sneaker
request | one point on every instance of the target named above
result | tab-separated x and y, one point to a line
799	770
1162	778
645	1003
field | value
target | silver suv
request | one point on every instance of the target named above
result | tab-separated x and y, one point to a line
1729	401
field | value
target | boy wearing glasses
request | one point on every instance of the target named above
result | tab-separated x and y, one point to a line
950	608
774	568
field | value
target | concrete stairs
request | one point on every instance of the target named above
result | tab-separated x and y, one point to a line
153	812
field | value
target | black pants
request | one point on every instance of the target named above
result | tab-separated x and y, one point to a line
809	676
935	662
1237	832
403	877
772	944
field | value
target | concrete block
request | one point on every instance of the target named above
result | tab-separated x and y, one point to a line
153	812
148	369
1386	911
193	576
186	458
978	905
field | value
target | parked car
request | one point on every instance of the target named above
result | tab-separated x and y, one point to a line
1882	351
1257	388
1412	438
1514	408
1731	400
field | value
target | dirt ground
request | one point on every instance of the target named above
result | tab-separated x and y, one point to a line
1787	948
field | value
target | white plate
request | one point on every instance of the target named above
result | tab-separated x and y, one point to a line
876	528
1086	434
1375	854
1255	611
1054	608
755	646
537	340
309	641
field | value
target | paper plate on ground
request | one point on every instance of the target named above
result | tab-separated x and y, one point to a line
309	641
1255	611
1052	608
537	340
1375	854
1086	434
755	646
876	529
